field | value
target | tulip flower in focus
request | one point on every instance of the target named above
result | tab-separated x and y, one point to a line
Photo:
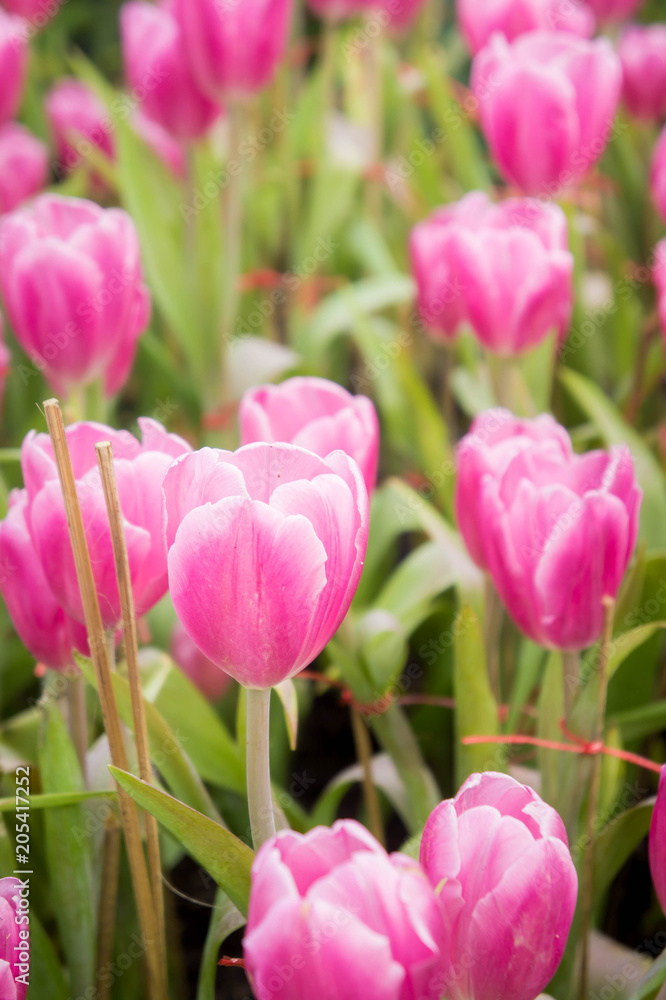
266	547
642	51
479	19
557	530
657	843
163	145
36	12
495	438
316	414
13	63
499	859
658	175
14	939
72	284
547	103
79	122
614	10
24	166
348	921
140	468
504	269
43	626
211	681
156	64
234	46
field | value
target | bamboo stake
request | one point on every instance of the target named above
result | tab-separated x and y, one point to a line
100	659
109	485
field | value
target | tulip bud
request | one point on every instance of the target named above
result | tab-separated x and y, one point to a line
505	269
643	55
316	414
41	623
479	19
211	681
547	103
234	46
13	63
163	145
36	12
79	123
332	914
556	530
499	860
140	468
156	66
24	166
266	546
72	283
14	939
657	842
658	175
614	10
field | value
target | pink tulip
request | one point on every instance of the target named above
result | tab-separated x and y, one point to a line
547	103
36	12
659	278
211	681
156	64
72	283
557	529
13	63
479	19
614	10
42	625
333	915
5	360
24	166
497	437
499	859
163	145
657	842
339	10
316	414
79	123
14	938
643	55
504	269
658	175
140	468
398	15
234	46
266	547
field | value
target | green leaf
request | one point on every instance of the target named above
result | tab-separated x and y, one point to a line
625	644
225	919
222	854
651	981
618	838
410	591
476	708
56	799
46	977
338	313
68	853
551	710
615	431
286	692
638	723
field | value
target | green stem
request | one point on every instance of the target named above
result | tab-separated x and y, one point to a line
77	718
571	669
397	737
493	631
233	231
363	747
259	795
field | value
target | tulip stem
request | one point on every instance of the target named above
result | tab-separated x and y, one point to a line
397	737
363	745
233	233
259	795
571	678
493	631
587	900
78	721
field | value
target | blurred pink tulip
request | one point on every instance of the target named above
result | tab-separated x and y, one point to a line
140	468
13	63
266	546
504	269
163	145
659	278
316	414
24	166
342	918
14	938
234	46
495	438
72	283
156	64
614	10
79	123
658	842
547	103
5	360
42	625
211	681
499	859
479	19
658	175
36	12
642	51
558	531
